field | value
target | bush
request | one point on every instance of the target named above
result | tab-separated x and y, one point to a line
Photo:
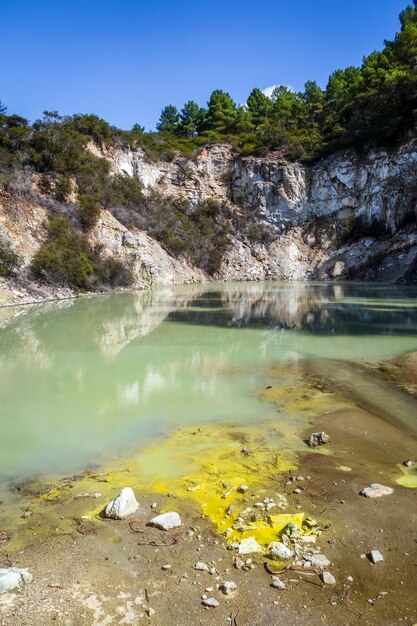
63	189
67	258
88	211
9	260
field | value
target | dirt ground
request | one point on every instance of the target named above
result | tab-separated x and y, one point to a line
124	572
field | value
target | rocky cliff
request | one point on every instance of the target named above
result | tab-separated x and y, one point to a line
347	216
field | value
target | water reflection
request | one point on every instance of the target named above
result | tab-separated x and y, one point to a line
90	376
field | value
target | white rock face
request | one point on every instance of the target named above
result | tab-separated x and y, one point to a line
123	505
376	491
166	521
13	579
249	546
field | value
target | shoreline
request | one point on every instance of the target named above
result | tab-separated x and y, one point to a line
131	571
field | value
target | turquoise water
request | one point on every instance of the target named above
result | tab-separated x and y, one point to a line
86	378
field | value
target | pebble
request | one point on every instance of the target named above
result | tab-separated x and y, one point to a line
201	567
243	488
375	556
279	552
318	439
210	602
318	560
166	521
409	463
166	567
375	490
150	611
328	578
228	587
277	583
249	546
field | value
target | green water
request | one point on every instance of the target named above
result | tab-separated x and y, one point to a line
83	379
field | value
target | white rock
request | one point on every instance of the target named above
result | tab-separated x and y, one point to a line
243	488
166	521
123	505
211	602
279	552
277	583
201	567
328	578
318	560
13	578
249	546
376	491
375	556
228	587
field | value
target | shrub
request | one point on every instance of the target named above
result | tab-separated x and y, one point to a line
67	258
63	189
9	260
88	211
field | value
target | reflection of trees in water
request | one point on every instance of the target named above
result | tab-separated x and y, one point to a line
316	308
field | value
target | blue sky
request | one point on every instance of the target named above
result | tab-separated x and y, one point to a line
125	60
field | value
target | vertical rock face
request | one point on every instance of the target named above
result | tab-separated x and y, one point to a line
379	186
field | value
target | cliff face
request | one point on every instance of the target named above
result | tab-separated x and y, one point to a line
347	216
340	217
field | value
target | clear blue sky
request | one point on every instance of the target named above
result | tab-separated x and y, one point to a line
125	60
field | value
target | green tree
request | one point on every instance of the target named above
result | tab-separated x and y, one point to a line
169	120
191	118
259	106
221	114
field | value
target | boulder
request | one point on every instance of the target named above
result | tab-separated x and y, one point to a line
13	579
166	521
123	505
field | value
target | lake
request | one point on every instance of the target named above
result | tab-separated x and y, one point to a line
88	379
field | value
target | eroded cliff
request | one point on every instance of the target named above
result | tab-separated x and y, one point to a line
348	216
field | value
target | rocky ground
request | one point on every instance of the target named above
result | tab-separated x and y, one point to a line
105	571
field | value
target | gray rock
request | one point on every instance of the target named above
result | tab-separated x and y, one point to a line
13	579
328	578
123	505
409	463
375	556
291	530
201	567
243	488
228	587
211	602
166	521
318	439
277	583
318	560
279	552
249	546
375	490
